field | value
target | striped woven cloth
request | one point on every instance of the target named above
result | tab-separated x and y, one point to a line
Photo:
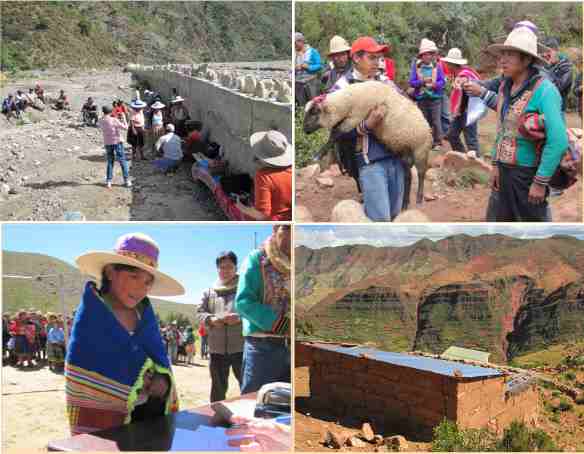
105	365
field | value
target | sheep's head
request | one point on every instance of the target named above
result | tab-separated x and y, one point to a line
314	112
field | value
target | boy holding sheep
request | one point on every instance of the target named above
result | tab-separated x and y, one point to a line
379	171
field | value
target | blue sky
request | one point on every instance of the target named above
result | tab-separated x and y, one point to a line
187	251
318	236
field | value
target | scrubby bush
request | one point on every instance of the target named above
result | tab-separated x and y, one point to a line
518	437
448	437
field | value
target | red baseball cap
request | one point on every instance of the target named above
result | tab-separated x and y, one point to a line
368	44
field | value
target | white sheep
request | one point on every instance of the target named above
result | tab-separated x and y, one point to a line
404	130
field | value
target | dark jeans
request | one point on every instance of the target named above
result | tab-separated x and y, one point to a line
445	113
470	135
219	368
265	360
432	109
204	346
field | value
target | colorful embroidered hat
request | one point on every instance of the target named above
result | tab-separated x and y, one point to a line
134	249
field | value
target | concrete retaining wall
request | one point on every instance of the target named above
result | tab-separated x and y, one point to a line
229	116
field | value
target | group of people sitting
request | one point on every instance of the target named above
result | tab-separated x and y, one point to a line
14	104
34	338
532	81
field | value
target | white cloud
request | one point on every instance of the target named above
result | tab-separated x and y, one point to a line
317	237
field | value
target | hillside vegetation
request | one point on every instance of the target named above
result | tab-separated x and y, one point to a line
38	35
42	293
470	26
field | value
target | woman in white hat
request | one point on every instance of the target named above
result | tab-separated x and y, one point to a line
459	102
273	179
179	115
522	165
427	81
157	121
117	369
136	129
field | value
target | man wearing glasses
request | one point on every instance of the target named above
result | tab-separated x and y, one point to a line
378	171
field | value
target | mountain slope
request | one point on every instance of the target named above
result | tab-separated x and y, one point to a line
97	34
505	295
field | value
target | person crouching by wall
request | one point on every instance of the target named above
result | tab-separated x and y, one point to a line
263	303
170	146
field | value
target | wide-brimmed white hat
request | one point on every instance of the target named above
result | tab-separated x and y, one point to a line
134	249
158	105
271	147
337	45
427	46
177	99
521	39
454	56
138	104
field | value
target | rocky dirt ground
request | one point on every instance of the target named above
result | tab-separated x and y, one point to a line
33	402
452	194
53	167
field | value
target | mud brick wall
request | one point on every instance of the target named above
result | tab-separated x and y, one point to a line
408	398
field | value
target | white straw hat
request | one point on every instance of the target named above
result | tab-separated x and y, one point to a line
427	46
338	44
158	105
134	249
454	56
521	39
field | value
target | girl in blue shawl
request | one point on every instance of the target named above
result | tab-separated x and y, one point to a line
116	368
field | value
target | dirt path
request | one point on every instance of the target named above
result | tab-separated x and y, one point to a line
53	165
452	202
33	402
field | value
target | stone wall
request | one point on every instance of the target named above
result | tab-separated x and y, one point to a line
409	399
229	110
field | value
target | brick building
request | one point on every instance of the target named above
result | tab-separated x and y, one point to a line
414	393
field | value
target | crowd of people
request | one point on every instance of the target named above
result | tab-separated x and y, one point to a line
534	83
31	339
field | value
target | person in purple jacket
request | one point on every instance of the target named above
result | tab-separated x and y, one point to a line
427	81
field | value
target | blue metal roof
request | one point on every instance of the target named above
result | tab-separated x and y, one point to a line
436	366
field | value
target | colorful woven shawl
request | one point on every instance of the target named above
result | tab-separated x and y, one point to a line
105	365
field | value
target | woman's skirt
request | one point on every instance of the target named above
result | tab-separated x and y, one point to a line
21	345
511	202
136	140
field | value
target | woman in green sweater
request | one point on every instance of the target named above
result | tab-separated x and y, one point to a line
263	302
522	168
